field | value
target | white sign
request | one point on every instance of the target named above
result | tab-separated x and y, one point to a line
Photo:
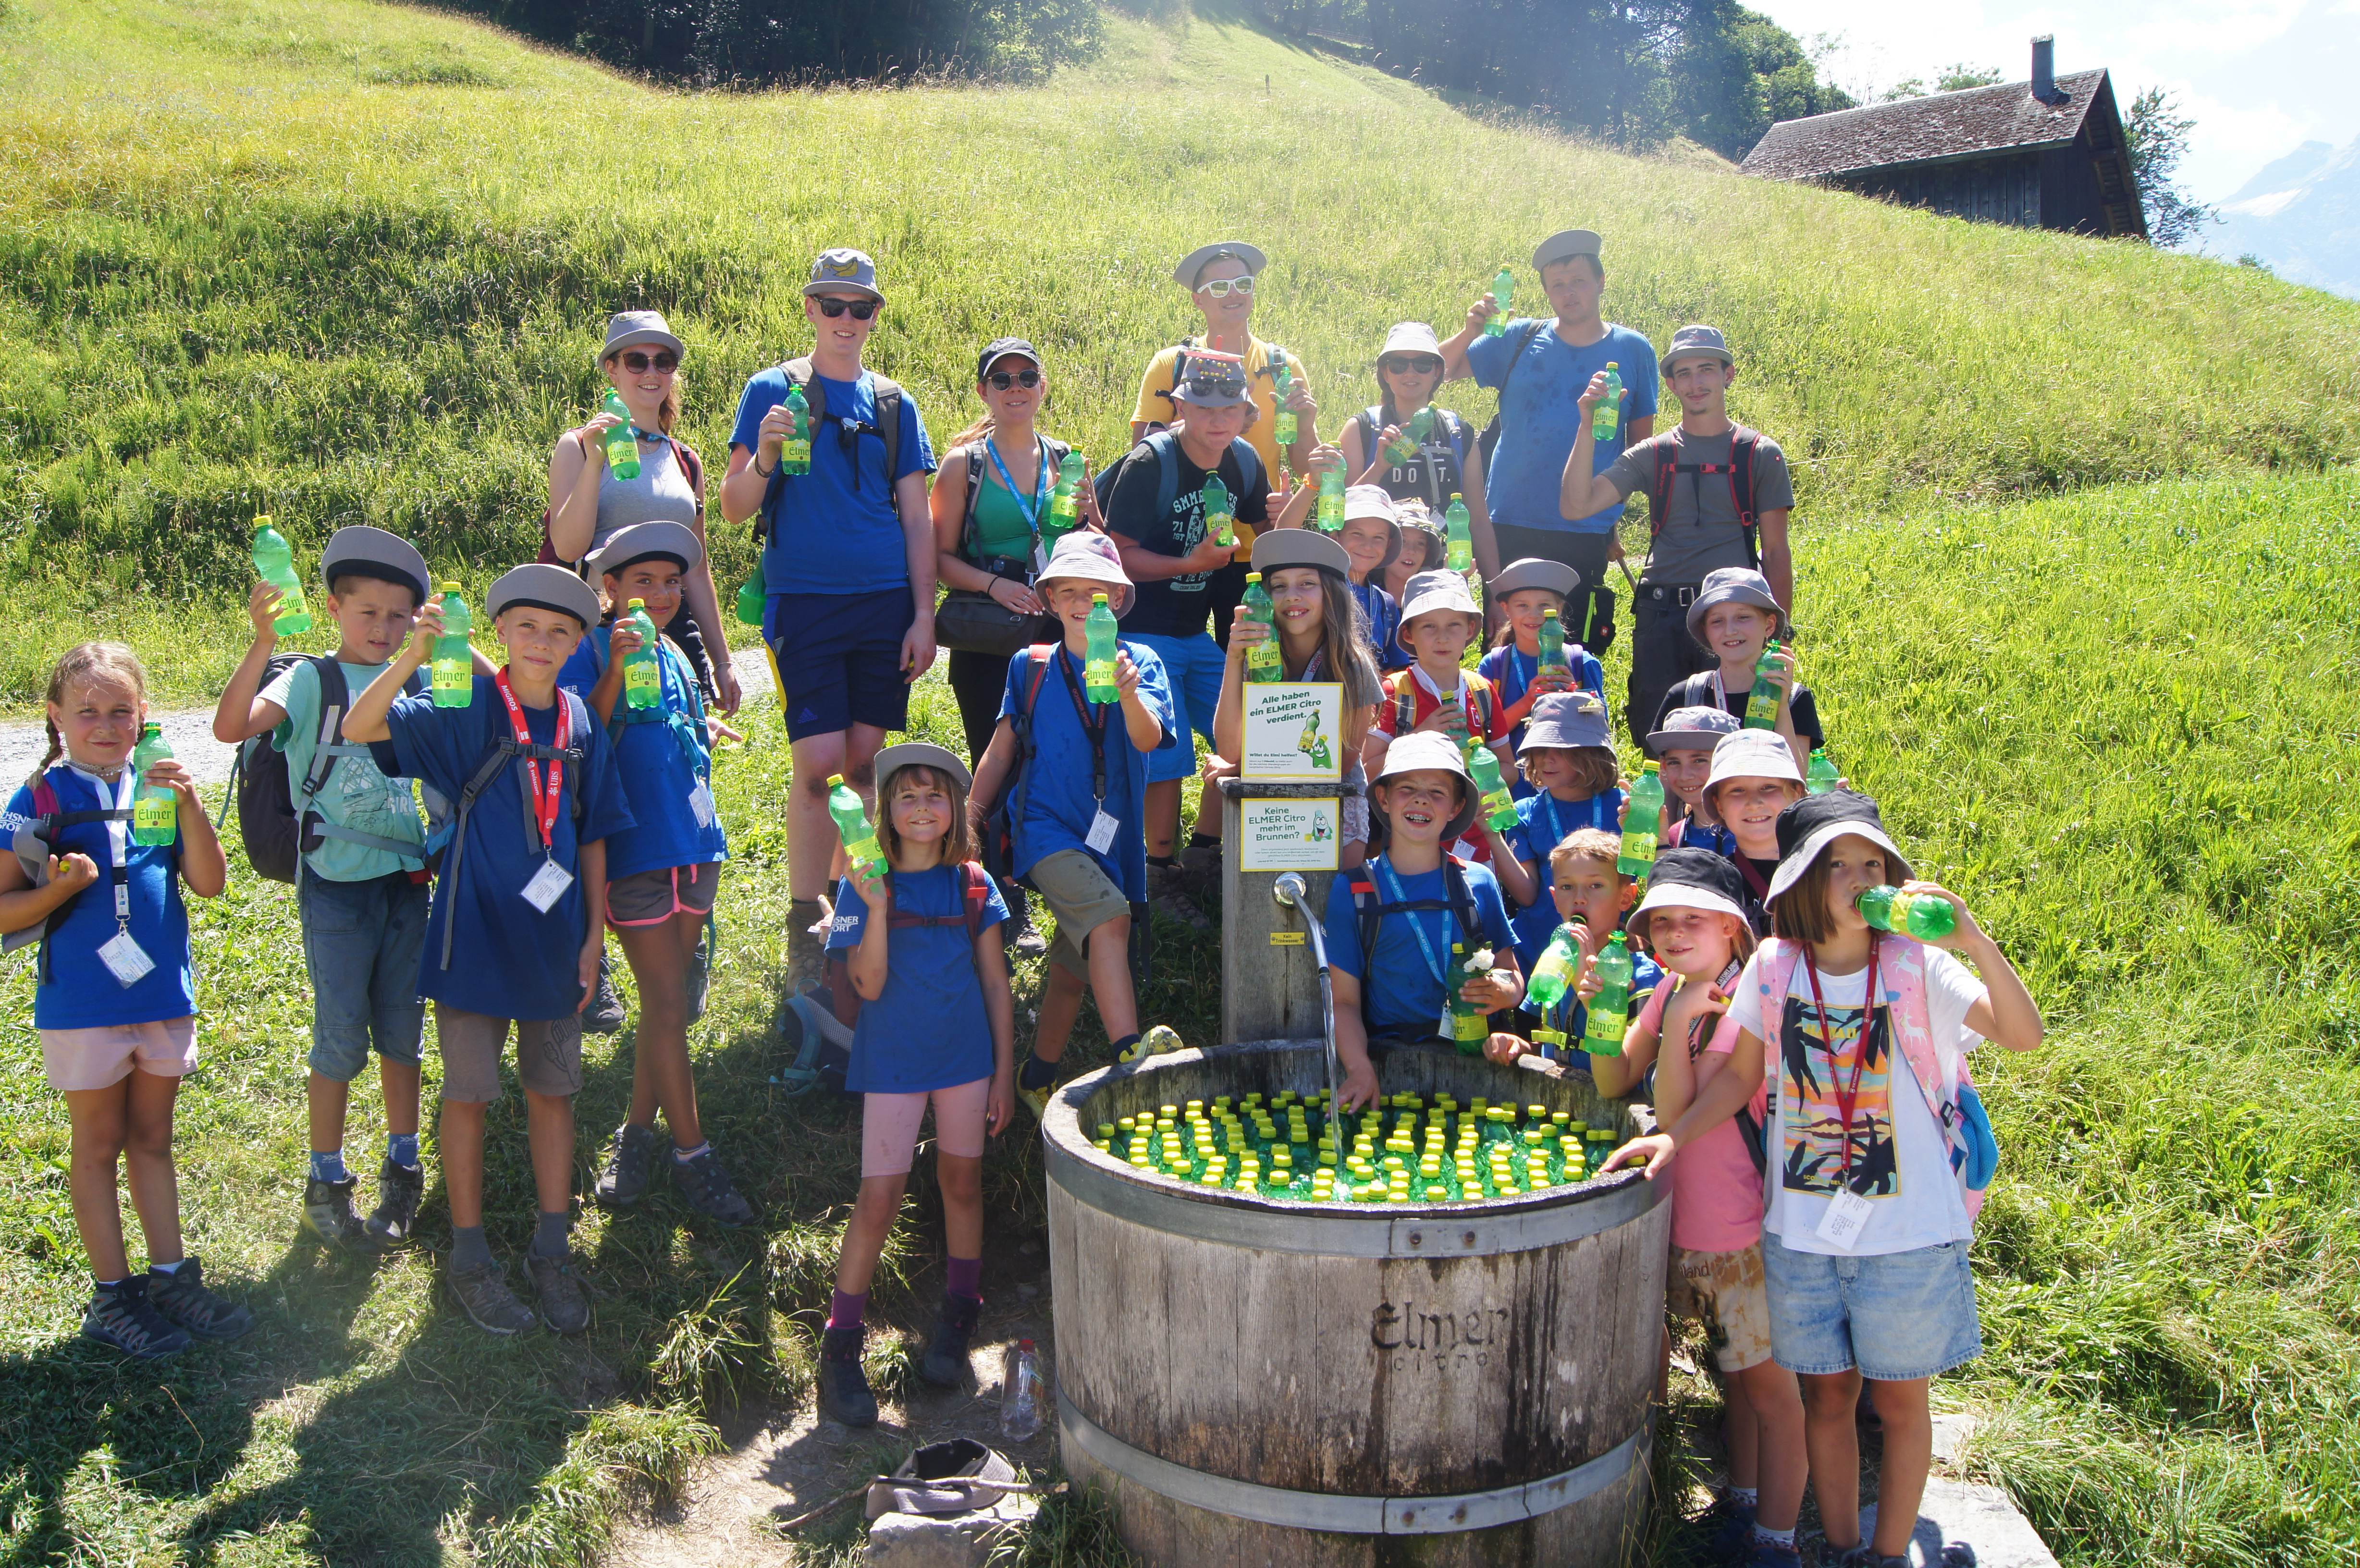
1291	733
1289	835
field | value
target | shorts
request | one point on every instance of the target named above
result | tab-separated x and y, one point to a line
361	946
1725	1291
888	1126
1895	1315
103	1056
1193	665
1083	898
651	898
838	659
549	1054
1352	816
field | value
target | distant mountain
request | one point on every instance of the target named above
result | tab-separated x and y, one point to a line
2302	215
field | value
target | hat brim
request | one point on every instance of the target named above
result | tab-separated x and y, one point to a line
1728	360
1684	896
542	586
1238	399
1438	605
1279	548
1549	737
1797	860
1739	596
1118	593
1660	741
839	286
1565	244
382	571
1194	262
919	754
985	362
1555	576
638	335
644	542
1452	830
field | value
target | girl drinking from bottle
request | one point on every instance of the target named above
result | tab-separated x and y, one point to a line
1525	593
1407	445
919	933
1878	1145
1733	617
115	1003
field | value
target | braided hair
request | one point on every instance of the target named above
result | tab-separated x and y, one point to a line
103	660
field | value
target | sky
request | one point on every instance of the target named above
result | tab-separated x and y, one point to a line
2259	77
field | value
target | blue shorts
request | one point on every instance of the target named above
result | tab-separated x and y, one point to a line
1895	1315
1193	665
361	947
838	659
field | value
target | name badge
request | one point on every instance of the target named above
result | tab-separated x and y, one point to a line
700	804
547	885
1102	835
1464	850
1846	1217
125	959
1446	1026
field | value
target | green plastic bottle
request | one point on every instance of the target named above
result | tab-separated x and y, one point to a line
1221	515
622	446
1552	660
1282	377
642	669
1263	663
1403	447
1503	287
753	595
1470	1027
454	661
1097	670
1495	805
1922	915
1609	1010
1553	975
1642	825
1331	499
1065	500
1459	537
274	562
852	825
1607	418
794	452
154	808
1821	776
1762	701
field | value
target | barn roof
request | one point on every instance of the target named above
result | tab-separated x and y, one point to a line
1932	129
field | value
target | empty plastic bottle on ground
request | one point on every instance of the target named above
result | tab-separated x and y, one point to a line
622	446
1098	668
1331	499
642	672
154	808
1552	660
1263	662
454	661
1020	1393
1281	376
852	825
1609	1010
1822	775
794	452
1496	806
1762	701
1459	534
1220	517
1504	286
1642	825
1922	915
274	562
1553	975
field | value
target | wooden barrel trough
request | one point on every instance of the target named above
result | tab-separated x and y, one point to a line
1259	1381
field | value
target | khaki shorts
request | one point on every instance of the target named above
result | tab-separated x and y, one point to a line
103	1057
1080	895
1725	1291
549	1054
651	898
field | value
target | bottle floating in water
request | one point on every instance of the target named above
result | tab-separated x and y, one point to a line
1021	1397
1497	806
794	452
1607	418
1263	662
1642	825
1762	701
1925	916
155	808
454	661
753	596
1459	534
1281	376
1331	499
860	849
1552	660
1404	446
1065	500
1504	287
1822	775
1470	1025
1098	668
1609	1010
642	672
1220	517
1553	975
622	446
274	562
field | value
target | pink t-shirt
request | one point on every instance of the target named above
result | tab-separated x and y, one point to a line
1716	1192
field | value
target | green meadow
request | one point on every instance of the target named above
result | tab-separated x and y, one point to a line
2076	519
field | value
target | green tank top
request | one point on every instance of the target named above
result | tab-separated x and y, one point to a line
999	525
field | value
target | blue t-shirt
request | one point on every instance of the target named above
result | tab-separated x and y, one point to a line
1058	804
507	959
1513	672
1381	612
1544	821
663	755
838	531
82	993
928	1028
1540	415
1571	1016
1402	985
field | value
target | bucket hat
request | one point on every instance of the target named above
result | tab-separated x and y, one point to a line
919	754
1699	728
1090	558
1567	720
544	587
642	542
1807	826
627	328
1739	585
1693	341
1204	256
844	271
363	551
1299	546
1565	243
1692	879
1421	752
1534	573
1411	337
1431	592
1751	754
1211	380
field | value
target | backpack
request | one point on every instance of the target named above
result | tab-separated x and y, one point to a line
498	757
1479	722
1742	444
1447	425
974	897
1490	435
1053	454
1252	479
275	819
887	428
1370	913
691	468
32	848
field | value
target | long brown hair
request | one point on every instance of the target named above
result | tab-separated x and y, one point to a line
958	844
105	660
1344	642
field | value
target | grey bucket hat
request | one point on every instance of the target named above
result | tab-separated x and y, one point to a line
919	754
627	328
1565	243
1739	585
546	587
1694	729
1424	751
667	540
1751	754
1431	592
1695	343
1196	260
363	551
1568	720
1212	381
1090	558
844	271
1299	546
1534	573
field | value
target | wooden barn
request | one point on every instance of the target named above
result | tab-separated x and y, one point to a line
2043	154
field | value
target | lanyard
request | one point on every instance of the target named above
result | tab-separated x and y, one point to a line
1394	893
545	801
1032	513
1096	728
1846	1099
118	835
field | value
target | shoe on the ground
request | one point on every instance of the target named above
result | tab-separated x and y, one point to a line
705	1187
1156	1041
482	1292
328	1214
623	1179
605	1013
1767	1554
1037	1100
1201	868
945	1363
564	1304
124	1320
1028	938
844	1392
183	1299
1733	1532
1167	891
395	1218
1864	1556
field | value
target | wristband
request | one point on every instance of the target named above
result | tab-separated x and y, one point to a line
759	471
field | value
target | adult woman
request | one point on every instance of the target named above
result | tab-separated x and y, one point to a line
1409	372
587	503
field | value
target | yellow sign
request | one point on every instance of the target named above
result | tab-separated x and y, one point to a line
1286	939
1288	835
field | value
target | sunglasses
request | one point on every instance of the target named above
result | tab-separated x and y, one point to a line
1001	380
1219	288
861	308
1409	365
640	363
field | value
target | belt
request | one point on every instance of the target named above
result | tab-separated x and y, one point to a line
1680	594
1007	566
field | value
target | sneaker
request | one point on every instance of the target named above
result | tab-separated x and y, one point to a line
395	1218
181	1297
945	1363
125	1319
606	1012
1029	939
623	1179
482	1292
844	1392
328	1214
1864	1556
1770	1554
564	1304
705	1187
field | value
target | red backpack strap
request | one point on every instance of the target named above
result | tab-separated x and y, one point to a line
45	796
975	886
1659	494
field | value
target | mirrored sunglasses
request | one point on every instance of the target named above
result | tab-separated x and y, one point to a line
1409	365
1219	288
1001	380
640	363
861	308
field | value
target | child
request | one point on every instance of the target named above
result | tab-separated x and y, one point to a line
1733	617
1372	538
664	871
115	1003
1423	549
1319	638
1391	926
1524	591
1754	778
1683	746
1587	888
518	914
361	885
1881	1163
1568	757
1076	813
1435	695
921	939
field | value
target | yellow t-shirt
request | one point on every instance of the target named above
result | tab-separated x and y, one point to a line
1157	407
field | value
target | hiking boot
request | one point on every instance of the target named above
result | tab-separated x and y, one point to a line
807	948
844	1392
1201	868
124	1319
328	1214
183	1299
482	1292
1167	891
623	1179
606	1012
395	1218
945	1363
705	1187
1028	938
564	1304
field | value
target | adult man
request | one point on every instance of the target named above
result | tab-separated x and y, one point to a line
1719	495
850	558
1540	368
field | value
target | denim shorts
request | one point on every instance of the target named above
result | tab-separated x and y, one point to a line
1193	665
362	942
1895	1315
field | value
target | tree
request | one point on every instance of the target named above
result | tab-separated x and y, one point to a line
2155	135
1956	77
